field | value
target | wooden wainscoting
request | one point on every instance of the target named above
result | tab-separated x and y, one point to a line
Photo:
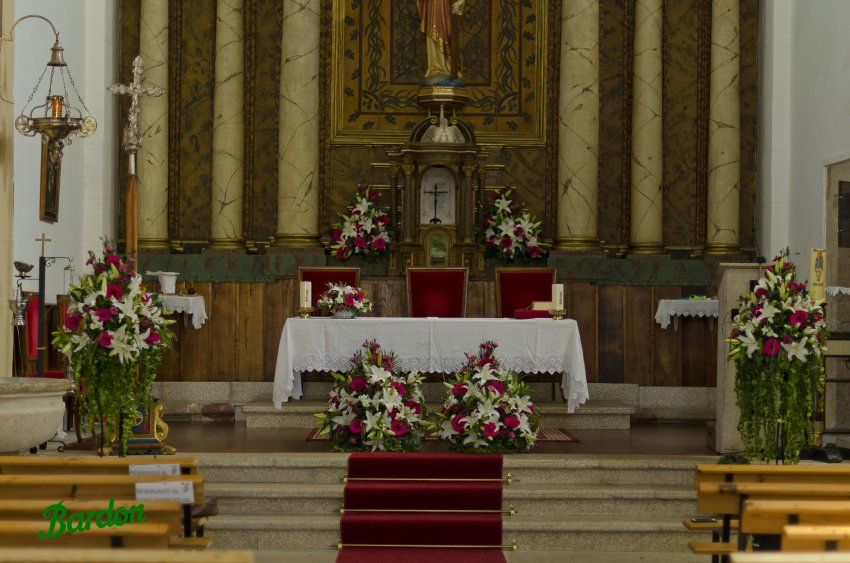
622	342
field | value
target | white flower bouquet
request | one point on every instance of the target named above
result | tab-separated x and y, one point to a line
510	232
364	231
343	301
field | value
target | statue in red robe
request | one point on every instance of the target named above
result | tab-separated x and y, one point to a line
436	16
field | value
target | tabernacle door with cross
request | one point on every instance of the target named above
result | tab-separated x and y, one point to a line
437	199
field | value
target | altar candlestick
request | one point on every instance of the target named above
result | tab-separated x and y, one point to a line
558	296
306	294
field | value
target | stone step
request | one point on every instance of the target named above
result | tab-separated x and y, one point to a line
559	533
607	415
527	468
527	498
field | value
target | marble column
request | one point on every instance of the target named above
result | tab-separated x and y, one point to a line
152	160
578	130
298	141
647	156
228	126
724	131
7	192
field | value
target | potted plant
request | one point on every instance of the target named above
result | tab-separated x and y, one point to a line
343	302
777	345
114	336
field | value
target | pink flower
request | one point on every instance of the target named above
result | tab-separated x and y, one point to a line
360	242
357	384
90	261
336	234
399	387
798	318
115	291
349	301
103	315
380	243
72	321
398	427
512	422
787	339
771	347
459	389
507	242
459	423
356	426
489	430
414	406
761	293
104	340
113	259
153	338
99	269
496	386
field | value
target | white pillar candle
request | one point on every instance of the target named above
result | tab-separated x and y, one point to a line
558	296
306	294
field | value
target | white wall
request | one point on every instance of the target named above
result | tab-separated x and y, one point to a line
805	118
88	31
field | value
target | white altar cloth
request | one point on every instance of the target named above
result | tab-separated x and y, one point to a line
673	308
431	345
188	305
835	291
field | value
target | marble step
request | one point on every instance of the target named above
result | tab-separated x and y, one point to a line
535	533
329	556
595	414
527	498
527	468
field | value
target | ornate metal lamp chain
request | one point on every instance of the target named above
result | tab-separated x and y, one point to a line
34	90
77	92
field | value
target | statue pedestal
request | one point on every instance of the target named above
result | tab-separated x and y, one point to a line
449	98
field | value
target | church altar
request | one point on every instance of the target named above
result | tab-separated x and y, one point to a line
192	305
431	345
674	308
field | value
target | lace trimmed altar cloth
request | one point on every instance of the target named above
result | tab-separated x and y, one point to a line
187	304
834	291
673	308
431	345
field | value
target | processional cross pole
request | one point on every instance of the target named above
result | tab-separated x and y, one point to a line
132	142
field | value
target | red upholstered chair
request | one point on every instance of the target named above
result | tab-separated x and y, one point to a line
437	292
31	338
517	288
320	276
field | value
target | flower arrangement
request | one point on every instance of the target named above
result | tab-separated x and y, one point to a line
364	231
114	337
488	409
509	231
343	301
777	344
374	407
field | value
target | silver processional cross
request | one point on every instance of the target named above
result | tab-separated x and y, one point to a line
132	139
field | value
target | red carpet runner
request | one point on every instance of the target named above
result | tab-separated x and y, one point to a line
395	481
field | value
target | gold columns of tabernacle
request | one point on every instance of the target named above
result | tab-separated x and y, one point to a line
647	156
298	141
228	126
578	130
724	131
152	160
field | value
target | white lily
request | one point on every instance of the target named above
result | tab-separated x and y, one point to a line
796	350
747	339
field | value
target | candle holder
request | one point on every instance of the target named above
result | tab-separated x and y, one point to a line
305	312
557	314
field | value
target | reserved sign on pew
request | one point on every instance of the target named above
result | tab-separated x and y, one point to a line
155	469
180	491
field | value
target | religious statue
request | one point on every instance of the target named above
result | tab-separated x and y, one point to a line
436	16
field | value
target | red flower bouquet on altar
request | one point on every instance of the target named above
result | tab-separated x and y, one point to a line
364	231
374	407
509	231
343	301
488	409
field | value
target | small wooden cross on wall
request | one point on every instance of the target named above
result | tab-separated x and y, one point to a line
43	240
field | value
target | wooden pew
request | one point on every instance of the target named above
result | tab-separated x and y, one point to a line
816	538
771	516
71	555
134	536
92	465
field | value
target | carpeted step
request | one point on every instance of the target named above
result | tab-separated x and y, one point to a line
423	495
381	528
425	465
390	555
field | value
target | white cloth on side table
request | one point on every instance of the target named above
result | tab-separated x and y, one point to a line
836	290
187	304
431	345
671	308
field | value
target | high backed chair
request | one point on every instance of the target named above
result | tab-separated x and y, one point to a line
320	276
437	292
517	288
31	339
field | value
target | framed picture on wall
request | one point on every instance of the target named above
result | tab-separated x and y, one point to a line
50	181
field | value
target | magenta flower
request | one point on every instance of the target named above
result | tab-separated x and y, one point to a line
414	406
496	386
357	384
761	293
356	426
771	347
459	423
336	234
489	430
113	260
787	339
380	243
340	253
458	389
798	318
507	242
103	315
511	422
153	338
360	242
104	340
399	387
72	321
398	427
113	290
